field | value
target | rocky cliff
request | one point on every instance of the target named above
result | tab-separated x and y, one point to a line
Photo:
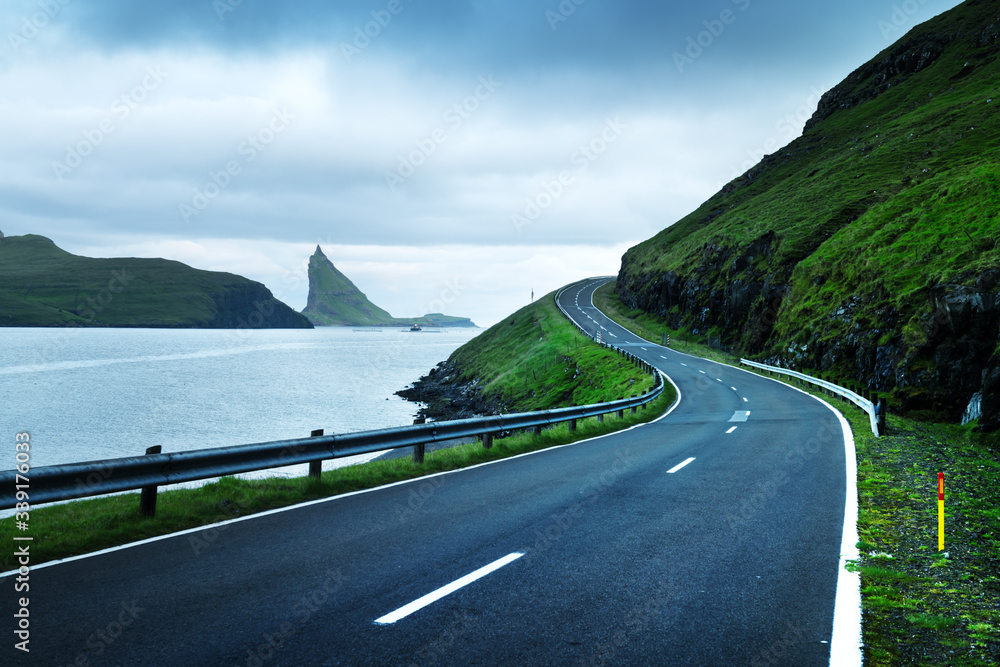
868	247
336	301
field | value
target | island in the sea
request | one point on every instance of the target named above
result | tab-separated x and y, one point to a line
42	285
336	301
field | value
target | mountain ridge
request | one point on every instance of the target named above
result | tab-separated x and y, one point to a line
45	286
869	247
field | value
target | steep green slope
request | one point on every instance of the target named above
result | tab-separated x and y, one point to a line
336	301
43	285
868	246
534	359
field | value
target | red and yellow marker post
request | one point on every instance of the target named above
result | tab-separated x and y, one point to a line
940	511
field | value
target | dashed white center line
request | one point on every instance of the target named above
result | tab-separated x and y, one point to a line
642	348
683	364
734	388
662	357
679	466
732	429
745	400
434	596
703	372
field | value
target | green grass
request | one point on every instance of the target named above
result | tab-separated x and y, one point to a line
843	233
919	607
503	360
532	358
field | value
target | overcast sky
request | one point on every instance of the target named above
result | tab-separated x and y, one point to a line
447	154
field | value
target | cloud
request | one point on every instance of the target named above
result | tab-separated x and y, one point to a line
485	130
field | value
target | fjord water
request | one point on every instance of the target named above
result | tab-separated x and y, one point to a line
89	394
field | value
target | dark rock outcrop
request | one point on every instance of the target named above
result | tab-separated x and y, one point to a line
445	398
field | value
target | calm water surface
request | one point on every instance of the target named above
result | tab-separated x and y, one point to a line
89	394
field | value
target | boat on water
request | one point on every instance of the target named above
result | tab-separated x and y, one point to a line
416	327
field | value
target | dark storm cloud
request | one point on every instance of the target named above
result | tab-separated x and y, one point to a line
450	33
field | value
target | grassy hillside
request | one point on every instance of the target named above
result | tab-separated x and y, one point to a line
869	246
43	285
536	359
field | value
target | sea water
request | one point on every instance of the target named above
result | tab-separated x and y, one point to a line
89	394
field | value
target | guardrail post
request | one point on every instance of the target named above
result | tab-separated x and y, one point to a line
572	424
600	418
316	467
147	497
880	414
537	430
633	407
487	440
418	450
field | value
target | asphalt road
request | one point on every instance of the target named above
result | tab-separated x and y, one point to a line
629	557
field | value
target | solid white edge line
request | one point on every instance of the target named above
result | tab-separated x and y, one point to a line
846	642
731	430
679	466
434	596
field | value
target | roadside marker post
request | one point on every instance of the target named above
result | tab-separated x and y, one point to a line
940	511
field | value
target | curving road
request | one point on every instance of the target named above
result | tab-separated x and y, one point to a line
709	537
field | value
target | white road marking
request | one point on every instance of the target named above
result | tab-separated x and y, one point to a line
662	357
746	400
642	348
679	466
703	372
734	388
740	416
434	596
732	429
683	364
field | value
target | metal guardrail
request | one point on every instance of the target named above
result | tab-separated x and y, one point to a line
876	412
94	478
